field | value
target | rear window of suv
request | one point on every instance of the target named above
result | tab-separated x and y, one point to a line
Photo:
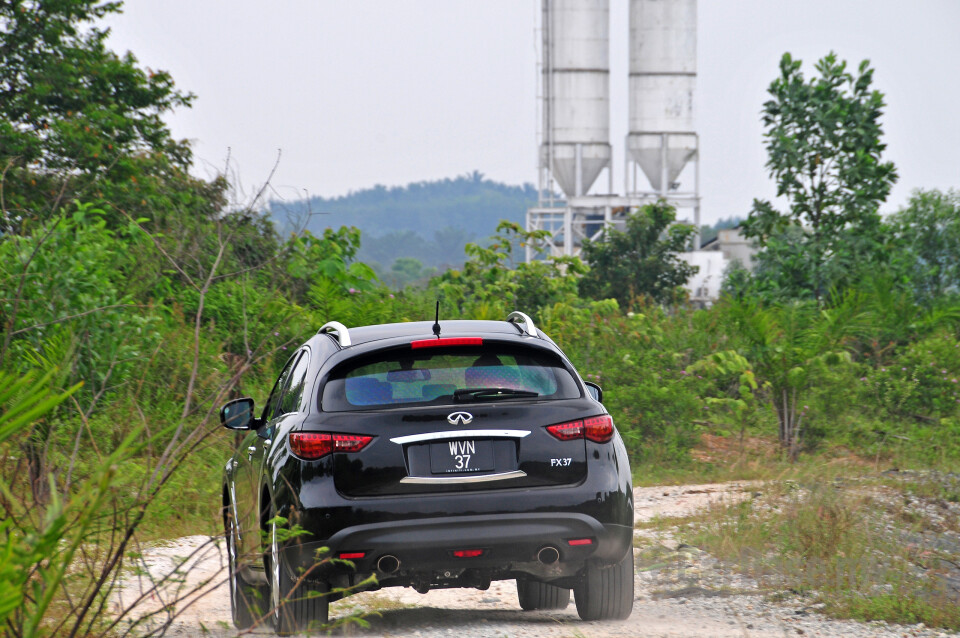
444	376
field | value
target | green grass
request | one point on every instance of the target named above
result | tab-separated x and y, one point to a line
190	502
718	459
857	546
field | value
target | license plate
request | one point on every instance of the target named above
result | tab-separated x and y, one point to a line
458	457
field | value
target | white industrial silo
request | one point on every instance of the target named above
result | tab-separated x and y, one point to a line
576	89
663	70
574	143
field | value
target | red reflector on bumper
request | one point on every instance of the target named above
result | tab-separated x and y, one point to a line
580	541
449	341
467	553
352	555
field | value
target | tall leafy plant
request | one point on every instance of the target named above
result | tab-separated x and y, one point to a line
641	260
71	105
823	140
786	345
36	551
928	235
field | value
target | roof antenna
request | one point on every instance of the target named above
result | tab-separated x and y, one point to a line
436	325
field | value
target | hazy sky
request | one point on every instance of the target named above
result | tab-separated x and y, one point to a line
362	92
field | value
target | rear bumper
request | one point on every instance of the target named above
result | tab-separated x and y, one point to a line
510	544
510	541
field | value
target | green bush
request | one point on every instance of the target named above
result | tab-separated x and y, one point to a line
63	301
924	379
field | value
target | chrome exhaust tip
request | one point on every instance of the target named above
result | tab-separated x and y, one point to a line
388	564
548	555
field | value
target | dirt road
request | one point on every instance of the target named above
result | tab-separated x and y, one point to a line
669	599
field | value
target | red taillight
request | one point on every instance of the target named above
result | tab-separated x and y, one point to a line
567	431
598	429
316	445
574	542
467	553
352	555
447	341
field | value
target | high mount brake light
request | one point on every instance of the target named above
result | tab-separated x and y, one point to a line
446	341
598	429
316	445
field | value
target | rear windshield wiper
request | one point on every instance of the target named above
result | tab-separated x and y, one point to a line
481	394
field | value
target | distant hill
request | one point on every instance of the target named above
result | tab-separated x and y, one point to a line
430	221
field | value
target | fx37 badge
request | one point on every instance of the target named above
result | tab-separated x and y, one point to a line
560	462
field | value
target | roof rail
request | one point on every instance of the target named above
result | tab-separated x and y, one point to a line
343	335
525	321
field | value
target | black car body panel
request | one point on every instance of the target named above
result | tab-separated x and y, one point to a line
395	498
388	459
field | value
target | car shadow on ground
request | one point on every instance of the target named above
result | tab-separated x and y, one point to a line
434	618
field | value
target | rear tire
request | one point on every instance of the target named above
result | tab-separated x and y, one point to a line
606	593
535	595
296	607
247	602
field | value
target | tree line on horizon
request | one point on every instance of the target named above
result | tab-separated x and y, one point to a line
410	233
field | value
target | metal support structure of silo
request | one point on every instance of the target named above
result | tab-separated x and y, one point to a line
574	145
662	147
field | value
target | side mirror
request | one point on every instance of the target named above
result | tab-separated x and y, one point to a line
594	391
238	414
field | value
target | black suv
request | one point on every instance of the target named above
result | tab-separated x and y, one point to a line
430	455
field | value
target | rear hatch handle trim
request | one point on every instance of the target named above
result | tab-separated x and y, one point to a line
448	480
461	434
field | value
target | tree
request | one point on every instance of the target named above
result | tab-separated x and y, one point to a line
406	271
781	271
928	238
641	260
71	107
786	346
493	283
823	141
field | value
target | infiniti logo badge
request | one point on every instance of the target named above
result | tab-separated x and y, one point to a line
459	418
